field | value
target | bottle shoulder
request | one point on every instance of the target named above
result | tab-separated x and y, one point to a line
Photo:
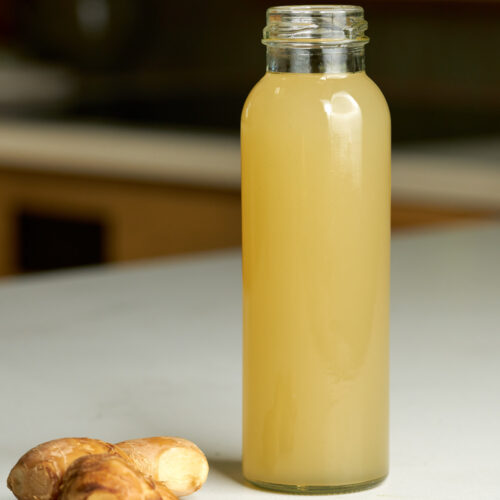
282	90
375	91
260	89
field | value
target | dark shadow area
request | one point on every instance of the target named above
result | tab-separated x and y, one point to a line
229	468
46	242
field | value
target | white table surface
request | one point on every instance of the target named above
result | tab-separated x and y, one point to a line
154	348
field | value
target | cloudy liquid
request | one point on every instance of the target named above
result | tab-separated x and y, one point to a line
316	239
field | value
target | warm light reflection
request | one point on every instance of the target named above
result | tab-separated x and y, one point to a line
345	124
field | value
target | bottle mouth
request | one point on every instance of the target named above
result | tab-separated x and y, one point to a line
310	25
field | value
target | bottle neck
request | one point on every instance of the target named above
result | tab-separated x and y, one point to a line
290	58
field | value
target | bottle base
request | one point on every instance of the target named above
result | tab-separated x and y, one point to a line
318	490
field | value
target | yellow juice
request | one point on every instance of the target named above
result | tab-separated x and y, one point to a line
316	239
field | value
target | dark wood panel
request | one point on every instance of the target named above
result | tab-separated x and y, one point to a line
142	220
411	216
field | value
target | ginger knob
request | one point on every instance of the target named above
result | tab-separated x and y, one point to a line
173	462
108	477
38	473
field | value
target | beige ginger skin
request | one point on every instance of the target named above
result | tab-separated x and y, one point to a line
109	477
39	472
173	462
157	468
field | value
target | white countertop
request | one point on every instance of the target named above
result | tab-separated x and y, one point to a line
154	348
461	173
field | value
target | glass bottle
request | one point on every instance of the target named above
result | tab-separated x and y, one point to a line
315	141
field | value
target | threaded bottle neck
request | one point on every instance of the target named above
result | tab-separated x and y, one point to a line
315	39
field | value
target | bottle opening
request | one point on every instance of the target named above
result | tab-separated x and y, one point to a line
306	25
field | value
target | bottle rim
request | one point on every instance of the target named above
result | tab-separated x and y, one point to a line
313	25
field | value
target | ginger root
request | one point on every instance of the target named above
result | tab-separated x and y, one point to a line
108	477
157	468
38	473
173	462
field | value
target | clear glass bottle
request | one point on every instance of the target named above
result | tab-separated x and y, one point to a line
315	139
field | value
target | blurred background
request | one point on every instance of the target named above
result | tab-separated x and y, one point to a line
119	121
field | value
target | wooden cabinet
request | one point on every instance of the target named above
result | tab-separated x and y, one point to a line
135	220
